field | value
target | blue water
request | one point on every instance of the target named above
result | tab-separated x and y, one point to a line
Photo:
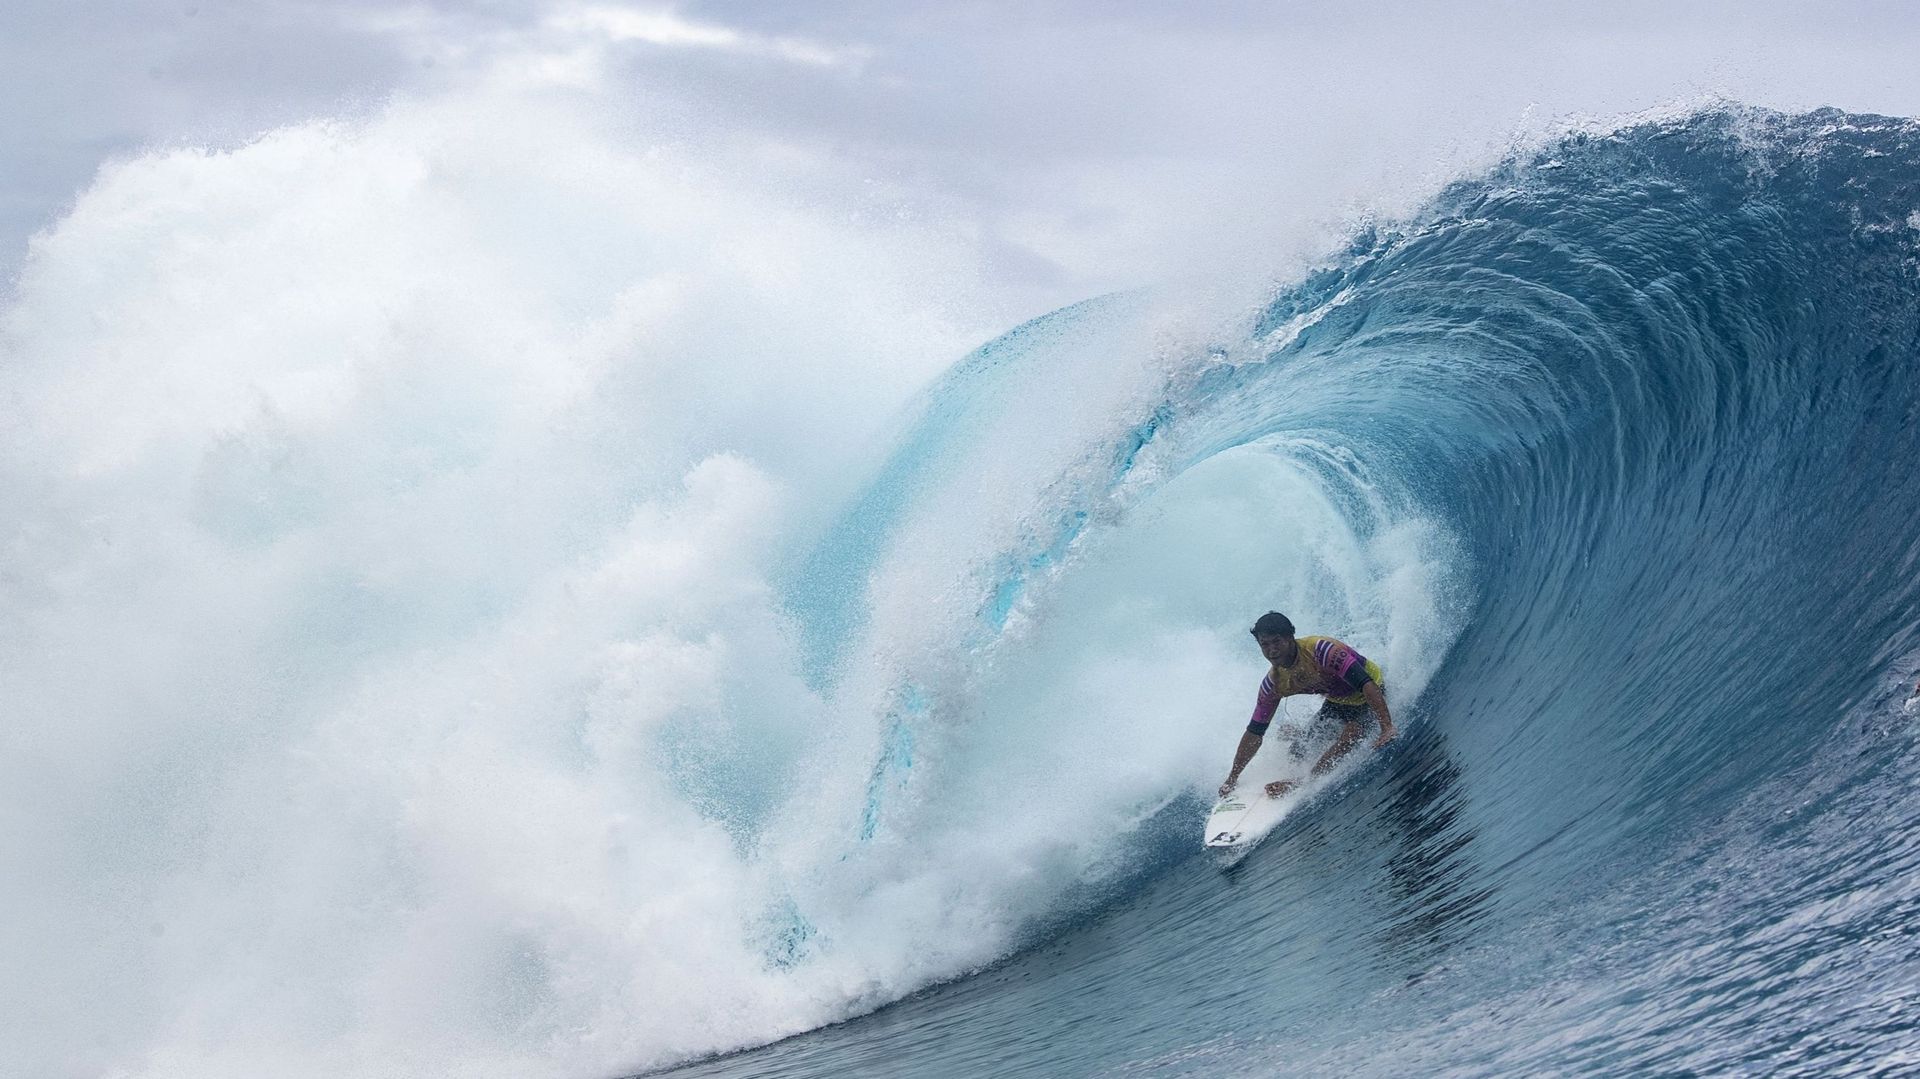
1655	808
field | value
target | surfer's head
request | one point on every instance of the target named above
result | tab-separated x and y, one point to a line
1274	633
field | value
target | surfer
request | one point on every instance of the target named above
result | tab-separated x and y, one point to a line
1350	682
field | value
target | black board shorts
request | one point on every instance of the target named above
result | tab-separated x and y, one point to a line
1331	717
1326	724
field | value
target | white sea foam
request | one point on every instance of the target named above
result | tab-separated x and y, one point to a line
395	680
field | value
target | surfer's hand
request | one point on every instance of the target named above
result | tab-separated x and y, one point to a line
1279	787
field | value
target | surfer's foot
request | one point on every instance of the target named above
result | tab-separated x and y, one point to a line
1280	786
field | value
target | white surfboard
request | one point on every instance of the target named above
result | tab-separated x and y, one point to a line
1248	812
1246	815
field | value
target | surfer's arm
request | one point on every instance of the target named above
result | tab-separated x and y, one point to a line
1249	745
1264	706
1340	663
1378	699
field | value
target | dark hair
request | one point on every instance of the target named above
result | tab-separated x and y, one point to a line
1273	624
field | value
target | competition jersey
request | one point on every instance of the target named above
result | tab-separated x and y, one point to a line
1320	665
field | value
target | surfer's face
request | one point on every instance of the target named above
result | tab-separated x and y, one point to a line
1276	649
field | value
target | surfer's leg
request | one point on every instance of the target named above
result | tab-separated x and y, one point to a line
1352	719
1320	730
1296	749
1349	737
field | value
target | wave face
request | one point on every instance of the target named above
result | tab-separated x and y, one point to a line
1610	453
542	722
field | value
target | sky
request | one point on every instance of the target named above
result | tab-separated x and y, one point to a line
1090	145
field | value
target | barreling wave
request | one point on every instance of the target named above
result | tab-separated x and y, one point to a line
1610	453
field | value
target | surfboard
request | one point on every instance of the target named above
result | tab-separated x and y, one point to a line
1248	812
1246	815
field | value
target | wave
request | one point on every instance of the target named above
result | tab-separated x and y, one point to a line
469	684
1607	453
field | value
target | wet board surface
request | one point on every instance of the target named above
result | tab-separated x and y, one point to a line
1245	816
1248	812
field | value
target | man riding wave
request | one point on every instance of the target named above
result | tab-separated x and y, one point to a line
1350	682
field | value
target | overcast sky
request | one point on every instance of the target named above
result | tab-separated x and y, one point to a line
1090	140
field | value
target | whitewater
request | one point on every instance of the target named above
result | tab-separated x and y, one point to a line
524	598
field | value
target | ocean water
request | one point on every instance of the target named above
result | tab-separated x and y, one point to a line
1613	450
533	681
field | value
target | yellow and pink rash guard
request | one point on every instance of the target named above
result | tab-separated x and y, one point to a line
1320	665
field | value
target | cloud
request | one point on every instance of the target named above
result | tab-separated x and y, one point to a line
663	27
1095	145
